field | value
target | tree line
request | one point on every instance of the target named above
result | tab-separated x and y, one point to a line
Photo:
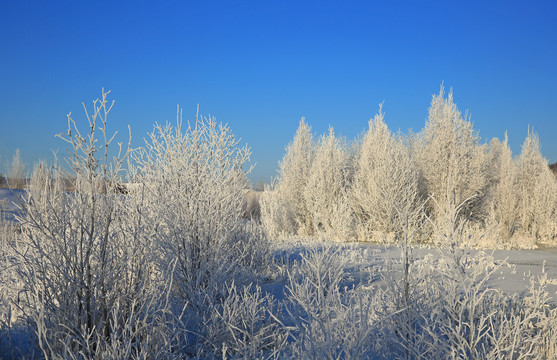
374	187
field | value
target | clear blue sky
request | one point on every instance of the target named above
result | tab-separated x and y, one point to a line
259	66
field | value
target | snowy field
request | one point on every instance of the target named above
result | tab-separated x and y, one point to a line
526	263
8	203
512	278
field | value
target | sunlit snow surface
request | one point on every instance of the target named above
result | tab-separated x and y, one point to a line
9	200
367	260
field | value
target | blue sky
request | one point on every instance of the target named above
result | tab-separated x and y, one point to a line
260	65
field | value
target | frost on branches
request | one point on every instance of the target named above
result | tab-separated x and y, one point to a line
193	182
168	266
385	191
378	187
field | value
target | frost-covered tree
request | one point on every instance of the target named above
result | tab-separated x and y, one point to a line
453	164
502	219
276	217
16	175
293	177
385	190
536	192
326	193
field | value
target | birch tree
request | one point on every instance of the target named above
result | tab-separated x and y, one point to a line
293	177
327	190
537	193
385	191
503	200
453	164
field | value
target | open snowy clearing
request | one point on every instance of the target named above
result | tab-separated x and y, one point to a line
370	260
8	203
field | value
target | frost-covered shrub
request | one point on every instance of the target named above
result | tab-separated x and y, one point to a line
547	348
523	328
451	311
407	301
89	287
444	307
244	324
14	342
467	305
331	319
193	182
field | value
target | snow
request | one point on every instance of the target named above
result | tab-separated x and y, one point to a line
9	199
513	278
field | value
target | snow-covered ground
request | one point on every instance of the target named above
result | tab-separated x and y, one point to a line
526	263
8	203
513	277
